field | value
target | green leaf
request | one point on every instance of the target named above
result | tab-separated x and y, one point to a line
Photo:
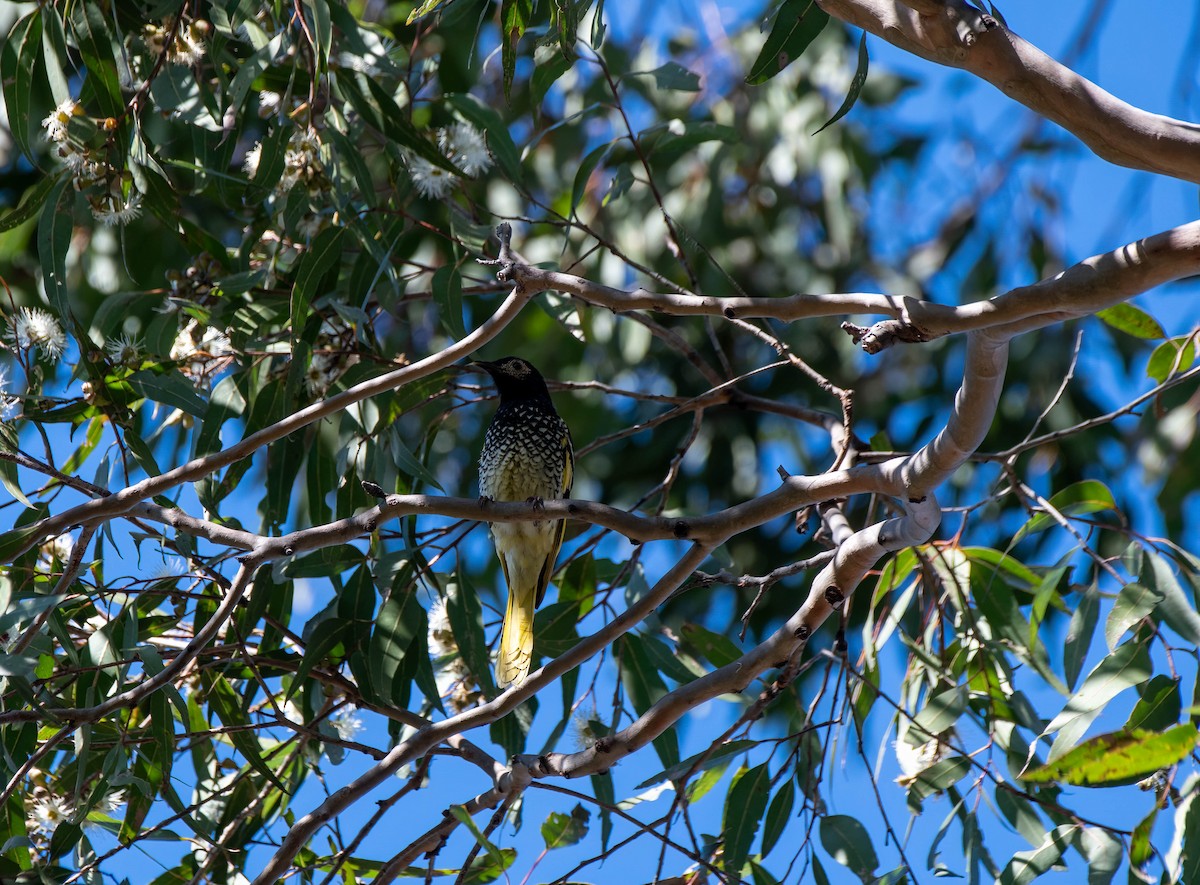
224	701
939	714
1140	848
1172	356
938	778
644	687
561	830
515	16
170	388
1121	757
18	60
1132	321
1077	499
487	867
464	817
1026	866
31	201
665	141
796	26
715	757
856	84
1177	609
100	51
423	10
671	75
849	843
381	112
447	295
54	239
407	462
1134	602
1129	665
1079	634
465	614
718	650
779	815
325	562
396	628
316	264
583	174
322	29
744	807
1159	705
1104	854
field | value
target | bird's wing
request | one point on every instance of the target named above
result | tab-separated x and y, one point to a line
560	530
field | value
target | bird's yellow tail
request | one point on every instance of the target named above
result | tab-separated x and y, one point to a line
516	639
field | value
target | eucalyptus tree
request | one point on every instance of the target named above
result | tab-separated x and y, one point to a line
851	499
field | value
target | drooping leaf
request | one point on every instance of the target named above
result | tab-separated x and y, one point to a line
796	26
856	84
1159	705
1127	666
1078	499
701	761
562	830
1118	758
1172	356
744	807
1026	866
645	686
849	843
1134	603
1132	320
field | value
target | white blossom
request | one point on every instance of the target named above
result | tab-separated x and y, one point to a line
124	349
47	813
33	327
268	103
346	722
251	160
913	759
58	548
441	637
197	354
465	147
430	181
113	209
8	401
56	122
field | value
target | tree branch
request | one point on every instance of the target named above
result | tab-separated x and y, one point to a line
121	502
956	34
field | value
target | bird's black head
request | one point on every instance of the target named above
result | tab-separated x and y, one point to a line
516	379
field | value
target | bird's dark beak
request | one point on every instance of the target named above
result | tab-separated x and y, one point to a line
480	366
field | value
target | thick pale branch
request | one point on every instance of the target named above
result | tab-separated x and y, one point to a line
956	34
1084	288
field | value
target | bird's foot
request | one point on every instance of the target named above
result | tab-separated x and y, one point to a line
537	501
485	500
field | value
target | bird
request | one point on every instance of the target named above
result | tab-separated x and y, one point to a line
527	456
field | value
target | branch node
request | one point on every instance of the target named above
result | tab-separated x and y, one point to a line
802	632
680	529
834	596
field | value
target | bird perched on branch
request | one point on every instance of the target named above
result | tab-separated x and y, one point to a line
527	456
